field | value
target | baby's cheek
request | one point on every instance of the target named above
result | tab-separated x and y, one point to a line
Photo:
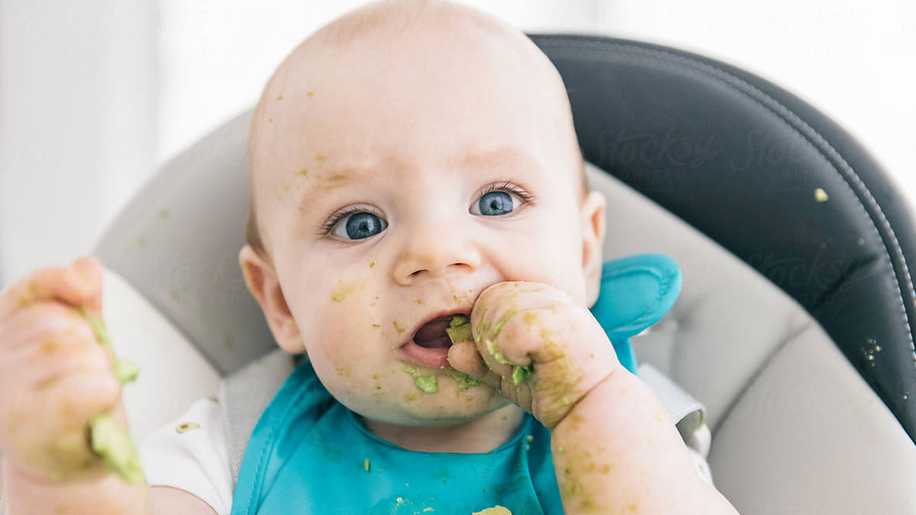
547	261
336	338
351	346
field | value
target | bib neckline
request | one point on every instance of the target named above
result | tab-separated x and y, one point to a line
523	429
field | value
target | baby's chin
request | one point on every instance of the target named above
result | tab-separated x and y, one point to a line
452	403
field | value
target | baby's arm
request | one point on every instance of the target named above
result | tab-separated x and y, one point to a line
108	495
614	448
616	451
104	494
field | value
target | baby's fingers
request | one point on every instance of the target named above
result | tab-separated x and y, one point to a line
48	425
548	351
79	285
506	309
463	357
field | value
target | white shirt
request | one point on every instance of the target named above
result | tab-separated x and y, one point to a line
191	454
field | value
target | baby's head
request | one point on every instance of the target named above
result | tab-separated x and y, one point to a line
403	158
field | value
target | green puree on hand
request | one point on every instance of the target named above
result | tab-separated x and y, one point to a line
112	443
109	440
459	330
520	374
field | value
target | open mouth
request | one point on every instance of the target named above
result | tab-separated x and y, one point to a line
430	343
432	334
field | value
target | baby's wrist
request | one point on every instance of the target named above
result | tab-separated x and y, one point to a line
102	493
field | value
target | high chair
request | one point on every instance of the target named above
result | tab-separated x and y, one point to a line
795	322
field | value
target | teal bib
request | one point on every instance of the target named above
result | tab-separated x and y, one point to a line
310	455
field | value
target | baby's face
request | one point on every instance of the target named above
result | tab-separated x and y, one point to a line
393	188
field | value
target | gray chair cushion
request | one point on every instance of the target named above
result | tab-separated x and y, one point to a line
178	245
796	430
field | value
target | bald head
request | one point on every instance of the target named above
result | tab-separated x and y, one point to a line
396	19
406	62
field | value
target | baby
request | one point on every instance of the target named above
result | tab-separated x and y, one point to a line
413	163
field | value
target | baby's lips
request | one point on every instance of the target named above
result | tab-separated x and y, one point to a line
431	357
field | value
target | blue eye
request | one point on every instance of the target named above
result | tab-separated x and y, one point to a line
494	203
358	226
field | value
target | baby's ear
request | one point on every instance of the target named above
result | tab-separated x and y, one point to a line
264	286
593	227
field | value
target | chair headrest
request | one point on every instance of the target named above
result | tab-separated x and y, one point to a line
766	176
177	243
751	166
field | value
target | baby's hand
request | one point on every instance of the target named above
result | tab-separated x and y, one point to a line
55	378
539	349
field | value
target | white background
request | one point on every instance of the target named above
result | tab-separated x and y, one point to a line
95	94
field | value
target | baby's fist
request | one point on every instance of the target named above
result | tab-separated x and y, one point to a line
539	348
54	376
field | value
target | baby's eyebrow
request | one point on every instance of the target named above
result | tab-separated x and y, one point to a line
506	156
322	182
334	177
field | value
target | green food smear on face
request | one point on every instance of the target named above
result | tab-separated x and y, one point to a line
459	329
108	440
427	383
463	380
112	443
520	374
342	291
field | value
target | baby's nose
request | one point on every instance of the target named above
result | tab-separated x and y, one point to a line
433	251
